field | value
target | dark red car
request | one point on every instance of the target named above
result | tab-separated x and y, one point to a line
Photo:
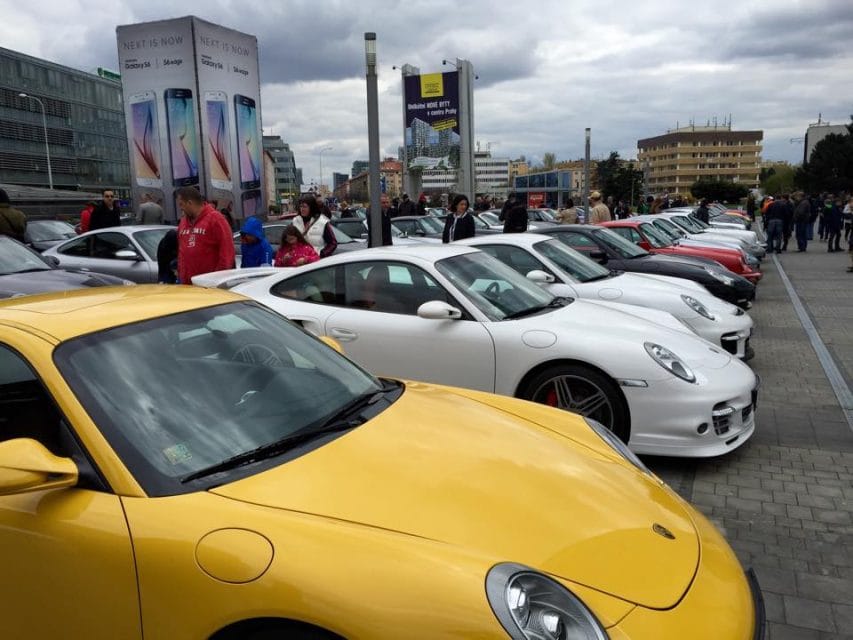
649	238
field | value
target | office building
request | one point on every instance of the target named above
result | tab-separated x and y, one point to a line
83	118
287	178
677	159
817	132
359	167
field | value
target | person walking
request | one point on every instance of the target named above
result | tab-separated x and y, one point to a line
421	208
314	225
149	211
384	221
774	220
847	215
514	214
295	250
13	223
255	250
107	213
204	237
787	220
599	211
750	207
569	215
460	223
702	213
802	214
832	223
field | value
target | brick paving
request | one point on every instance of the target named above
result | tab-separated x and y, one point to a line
784	500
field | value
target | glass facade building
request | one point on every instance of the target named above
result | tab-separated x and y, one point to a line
85	125
286	179
557	186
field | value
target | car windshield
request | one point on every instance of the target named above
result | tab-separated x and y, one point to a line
149	239
179	393
654	237
672	231
572	262
16	258
623	248
47	230
490	217
430	224
687	223
494	288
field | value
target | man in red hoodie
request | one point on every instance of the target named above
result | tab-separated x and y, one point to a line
204	237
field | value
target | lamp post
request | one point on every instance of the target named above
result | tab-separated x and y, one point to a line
375	220
321	166
44	124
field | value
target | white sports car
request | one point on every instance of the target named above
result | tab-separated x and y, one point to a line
565	272
455	315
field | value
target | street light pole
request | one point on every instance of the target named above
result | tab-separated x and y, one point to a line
321	166
44	125
375	219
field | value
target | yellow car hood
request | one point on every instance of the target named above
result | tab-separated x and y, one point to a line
462	471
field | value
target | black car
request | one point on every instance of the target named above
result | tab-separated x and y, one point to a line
25	272
619	254
43	234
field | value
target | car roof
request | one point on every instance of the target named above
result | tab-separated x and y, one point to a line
429	252
68	314
514	239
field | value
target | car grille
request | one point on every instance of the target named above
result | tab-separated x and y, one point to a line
722	418
729	342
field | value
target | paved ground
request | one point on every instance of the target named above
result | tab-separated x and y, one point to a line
785	499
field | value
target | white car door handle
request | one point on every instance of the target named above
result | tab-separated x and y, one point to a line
344	335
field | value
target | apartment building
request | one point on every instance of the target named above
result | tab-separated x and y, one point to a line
677	159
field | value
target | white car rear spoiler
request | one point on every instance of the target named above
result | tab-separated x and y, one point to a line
230	278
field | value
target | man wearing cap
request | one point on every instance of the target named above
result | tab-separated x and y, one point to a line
599	211
407	207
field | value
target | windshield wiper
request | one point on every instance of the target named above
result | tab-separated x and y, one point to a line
34	269
343	419
556	302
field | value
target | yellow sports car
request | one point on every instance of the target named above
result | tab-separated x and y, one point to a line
179	463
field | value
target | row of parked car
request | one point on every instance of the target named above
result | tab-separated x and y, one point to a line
211	452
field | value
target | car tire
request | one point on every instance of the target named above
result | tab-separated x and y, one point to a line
585	391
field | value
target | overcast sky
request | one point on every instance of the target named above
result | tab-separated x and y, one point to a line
626	69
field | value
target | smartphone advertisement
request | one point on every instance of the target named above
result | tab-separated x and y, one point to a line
192	103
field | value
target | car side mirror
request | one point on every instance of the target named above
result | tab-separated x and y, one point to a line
127	254
601	256
438	310
540	277
27	466
644	244
53	261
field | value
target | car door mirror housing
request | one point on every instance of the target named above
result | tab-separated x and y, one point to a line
540	277
27	466
601	256
644	244
438	310
330	341
53	261
128	254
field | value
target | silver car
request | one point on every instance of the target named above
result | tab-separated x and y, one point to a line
128	252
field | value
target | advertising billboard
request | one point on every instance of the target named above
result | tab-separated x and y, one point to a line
192	104
432	134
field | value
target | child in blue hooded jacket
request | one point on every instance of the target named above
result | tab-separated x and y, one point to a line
255	250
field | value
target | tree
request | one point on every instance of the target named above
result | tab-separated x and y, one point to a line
830	167
780	179
617	180
721	190
548	161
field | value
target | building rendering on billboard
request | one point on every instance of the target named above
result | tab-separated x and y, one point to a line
432	120
192	104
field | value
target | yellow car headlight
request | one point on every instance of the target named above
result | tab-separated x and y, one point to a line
530	605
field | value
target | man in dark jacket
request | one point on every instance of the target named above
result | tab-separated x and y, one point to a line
802	215
702	212
514	215
787	221
13	223
774	218
407	207
107	213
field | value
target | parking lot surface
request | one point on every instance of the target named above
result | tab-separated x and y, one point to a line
784	500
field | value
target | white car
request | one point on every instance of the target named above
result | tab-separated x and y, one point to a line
455	315
692	224
564	271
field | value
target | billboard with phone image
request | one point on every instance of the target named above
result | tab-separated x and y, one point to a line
192	102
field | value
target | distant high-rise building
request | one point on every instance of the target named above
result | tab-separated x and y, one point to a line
286	179
678	158
338	179
358	167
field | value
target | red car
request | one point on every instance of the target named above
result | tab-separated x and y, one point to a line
646	236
